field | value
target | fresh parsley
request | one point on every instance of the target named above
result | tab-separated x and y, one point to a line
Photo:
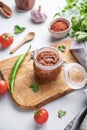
61	113
62	48
35	87
18	29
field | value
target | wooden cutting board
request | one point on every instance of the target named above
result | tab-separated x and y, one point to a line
23	96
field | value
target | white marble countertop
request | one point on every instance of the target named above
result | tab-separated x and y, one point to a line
13	118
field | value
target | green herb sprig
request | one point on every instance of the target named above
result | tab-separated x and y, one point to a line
62	48
61	113
35	87
18	29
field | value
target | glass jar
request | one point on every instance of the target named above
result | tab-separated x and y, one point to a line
47	63
24	4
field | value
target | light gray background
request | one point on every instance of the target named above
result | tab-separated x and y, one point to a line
13	118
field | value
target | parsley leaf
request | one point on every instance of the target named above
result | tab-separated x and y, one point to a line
61	113
18	29
34	87
62	48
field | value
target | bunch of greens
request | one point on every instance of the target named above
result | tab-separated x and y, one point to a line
78	10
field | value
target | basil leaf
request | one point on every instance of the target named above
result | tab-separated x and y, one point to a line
61	113
34	87
18	29
62	48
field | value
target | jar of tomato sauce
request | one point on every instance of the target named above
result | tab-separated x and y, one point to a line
47	63
24	4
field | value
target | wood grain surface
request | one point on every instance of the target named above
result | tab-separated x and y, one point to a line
23	96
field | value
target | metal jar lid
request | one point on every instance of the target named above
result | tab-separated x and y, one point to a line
75	75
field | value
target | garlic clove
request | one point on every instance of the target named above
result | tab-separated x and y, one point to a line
38	16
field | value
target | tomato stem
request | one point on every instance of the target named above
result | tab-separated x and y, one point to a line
37	112
6	36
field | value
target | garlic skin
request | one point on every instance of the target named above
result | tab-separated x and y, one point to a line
38	16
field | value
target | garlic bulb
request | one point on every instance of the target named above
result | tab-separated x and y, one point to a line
38	16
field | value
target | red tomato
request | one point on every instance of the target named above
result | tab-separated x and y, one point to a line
6	39
3	86
41	116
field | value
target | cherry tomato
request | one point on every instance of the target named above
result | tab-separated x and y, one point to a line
41	116
6	39
3	87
